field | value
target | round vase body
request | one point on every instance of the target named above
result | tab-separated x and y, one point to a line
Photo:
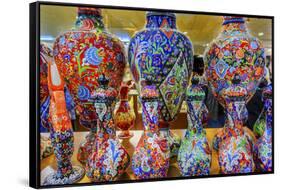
83	54
234	52
194	157
166	56
151	157
108	161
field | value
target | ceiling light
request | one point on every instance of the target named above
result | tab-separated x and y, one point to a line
260	33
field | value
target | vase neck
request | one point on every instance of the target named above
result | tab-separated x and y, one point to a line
234	25
105	124
236	111
89	19
150	115
195	115
124	91
161	20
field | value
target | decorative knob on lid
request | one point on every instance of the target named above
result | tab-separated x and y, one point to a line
89	11
89	19
195	92
104	93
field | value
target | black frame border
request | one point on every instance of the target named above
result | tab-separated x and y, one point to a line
34	86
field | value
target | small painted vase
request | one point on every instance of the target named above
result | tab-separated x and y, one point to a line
151	156
263	146
194	158
82	54
61	133
162	52
109	159
235	148
124	117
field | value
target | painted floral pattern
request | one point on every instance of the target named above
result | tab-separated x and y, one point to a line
194	157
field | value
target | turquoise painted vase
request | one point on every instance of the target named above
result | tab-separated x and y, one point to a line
194	158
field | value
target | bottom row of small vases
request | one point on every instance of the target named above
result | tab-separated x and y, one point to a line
107	159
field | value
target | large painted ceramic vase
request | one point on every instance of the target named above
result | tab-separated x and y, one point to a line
263	146
152	154
163	53
83	54
124	116
194	158
234	68
109	159
61	134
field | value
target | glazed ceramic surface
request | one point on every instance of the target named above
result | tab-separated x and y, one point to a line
194	158
263	146
234	68
234	52
124	116
83	54
108	159
235	147
163	53
61	134
151	156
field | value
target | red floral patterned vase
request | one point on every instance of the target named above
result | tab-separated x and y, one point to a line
82	54
109	159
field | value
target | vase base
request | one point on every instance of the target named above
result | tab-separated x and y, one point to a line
77	175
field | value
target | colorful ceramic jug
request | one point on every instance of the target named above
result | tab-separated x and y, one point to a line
263	146
124	117
109	159
234	65
83	54
151	156
61	133
194	158
161	52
